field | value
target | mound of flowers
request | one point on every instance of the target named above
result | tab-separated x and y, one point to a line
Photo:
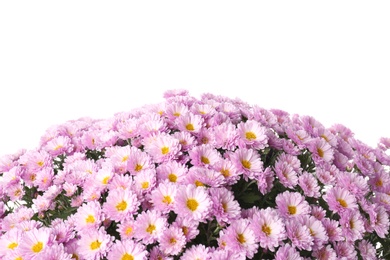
214	178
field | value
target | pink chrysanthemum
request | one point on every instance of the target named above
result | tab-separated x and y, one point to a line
333	229
94	244
309	185
228	171
269	228
138	161
345	250
171	171
316	228
352	225
325	253
204	155
163	196
201	176
88	216
193	202
367	250
287	252
252	135
240	237
34	242
162	147
10	241
321	150
188	226
340	199
126	228
120	203
127	250
225	207
248	161
190	123
198	252
292	204
148	226
172	241
299	235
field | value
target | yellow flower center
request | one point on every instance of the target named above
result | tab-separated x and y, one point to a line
198	183
292	210
250	135
40	163
172	240
241	238
90	219
138	167
127	257
266	229
343	203
190	127
125	158
165	150
185	230
95	244
128	230
192	204
37	247
379	183
225	172
172	177
246	164
320	152
57	147
167	199
12	245
145	185
205	160
105	180
150	228
224	206
176	114
121	206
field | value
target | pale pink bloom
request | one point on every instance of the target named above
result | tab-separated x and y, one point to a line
190	123
229	139
309	185
27	225
172	240
43	179
69	189
198	252
291	204
225	207
287	252
126	228
201	176
59	145
352	225
42	203
367	250
204	110
163	196
382	199
240	237
103	176
265	180
299	136
162	147
204	155
379	221
333	229
35	160
327	176
138	161
193	202
157	254
10	241
321	150
318	212
228	170
62	230
34	242
128	128
325	253
145	181
9	161
175	110
187	140
148	226
340	199
222	254
172	171
94	244
345	250
120	204
248	161
380	181
150	124
120	181
286	174
231	110
269	228
188	226
252	135
327	135
15	191
316	228
354	183
126	250
299	235
88	216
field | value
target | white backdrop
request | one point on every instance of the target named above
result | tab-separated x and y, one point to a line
62	60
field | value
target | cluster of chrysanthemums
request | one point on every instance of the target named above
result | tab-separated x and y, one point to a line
214	178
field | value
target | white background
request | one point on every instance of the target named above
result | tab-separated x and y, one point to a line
62	60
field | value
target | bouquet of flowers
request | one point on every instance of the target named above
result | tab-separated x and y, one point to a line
214	178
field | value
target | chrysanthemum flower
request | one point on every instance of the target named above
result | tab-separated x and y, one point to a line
126	228
188	226
175	110
325	253
172	240
333	229
10	241
287	252
252	135
193	202
316	228
340	199
248	161
299	235
321	150
138	161
199	252
352	225
366	250
145	181
59	145
268	227
190	123
201	176
120	203
163	196
148	226
88	216
240	237
127	250
94	244
345	250
291	204
229	139
162	147
34	242
309	185
204	155
171	171
225	207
